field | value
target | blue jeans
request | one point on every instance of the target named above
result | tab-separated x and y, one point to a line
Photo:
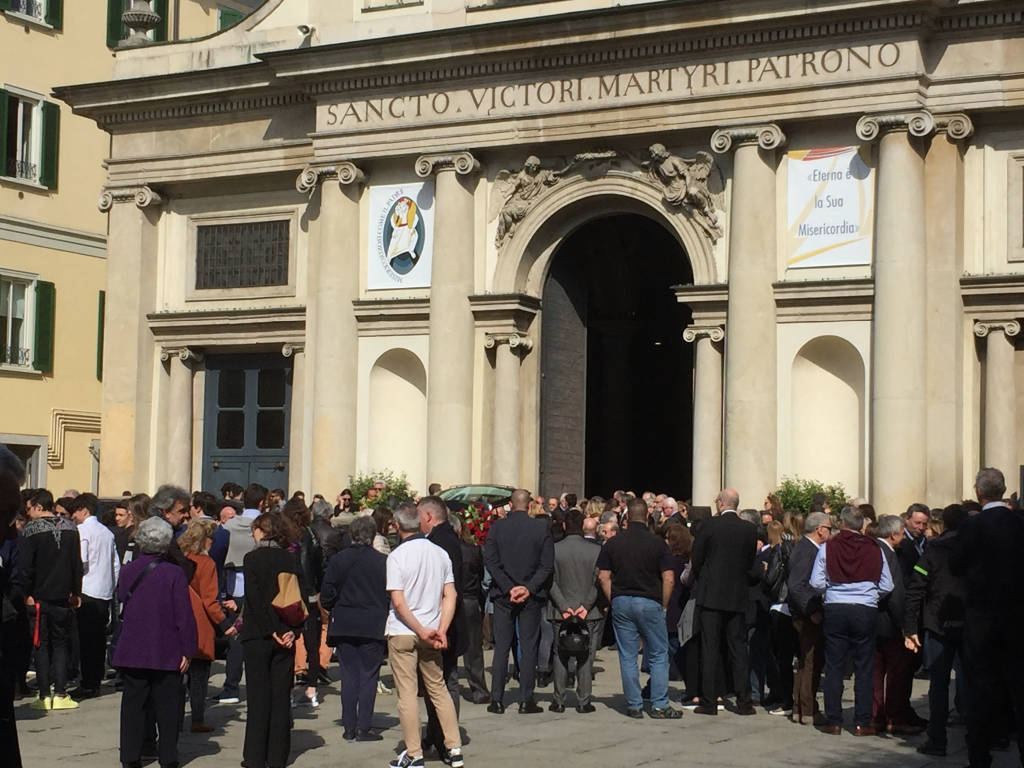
634	618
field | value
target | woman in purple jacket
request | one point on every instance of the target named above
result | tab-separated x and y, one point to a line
158	636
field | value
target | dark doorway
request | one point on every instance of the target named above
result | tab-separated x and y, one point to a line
246	419
617	377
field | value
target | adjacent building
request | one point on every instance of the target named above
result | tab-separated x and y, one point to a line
53	239
575	245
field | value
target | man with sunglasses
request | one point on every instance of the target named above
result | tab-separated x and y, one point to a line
807	608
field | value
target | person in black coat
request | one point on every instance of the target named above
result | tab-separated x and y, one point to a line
268	643
520	557
12	473
435	526
935	603
987	556
807	607
892	671
355	592
472	599
723	567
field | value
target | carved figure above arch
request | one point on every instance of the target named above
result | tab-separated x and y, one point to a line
693	183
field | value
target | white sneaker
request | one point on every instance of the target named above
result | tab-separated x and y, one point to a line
228	700
455	757
405	760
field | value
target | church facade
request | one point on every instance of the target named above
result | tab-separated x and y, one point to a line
570	245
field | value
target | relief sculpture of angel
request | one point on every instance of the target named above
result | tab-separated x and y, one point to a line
685	183
517	192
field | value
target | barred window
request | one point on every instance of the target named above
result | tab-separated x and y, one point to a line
244	255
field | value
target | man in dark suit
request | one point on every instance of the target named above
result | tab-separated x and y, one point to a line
723	566
435	526
574	593
915	521
987	555
519	555
808	610
892	667
472	607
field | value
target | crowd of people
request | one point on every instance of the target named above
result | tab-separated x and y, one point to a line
752	609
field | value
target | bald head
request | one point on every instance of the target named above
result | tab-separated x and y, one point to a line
727	499
520	500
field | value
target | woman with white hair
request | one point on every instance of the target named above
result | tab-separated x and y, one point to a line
158	637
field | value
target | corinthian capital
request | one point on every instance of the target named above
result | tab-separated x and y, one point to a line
920	123
694	332
462	163
143	196
766	136
1008	327
344	171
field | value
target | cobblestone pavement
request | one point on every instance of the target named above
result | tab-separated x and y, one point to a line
605	739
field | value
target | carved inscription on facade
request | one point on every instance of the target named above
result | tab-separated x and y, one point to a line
682	81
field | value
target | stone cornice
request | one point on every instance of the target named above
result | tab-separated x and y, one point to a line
767	136
919	123
708	303
345	172
463	163
500	313
384	317
228	327
824	300
62	422
990	298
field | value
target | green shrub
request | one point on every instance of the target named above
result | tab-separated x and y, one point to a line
396	487
797	493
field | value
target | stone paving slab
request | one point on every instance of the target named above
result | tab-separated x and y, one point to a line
88	737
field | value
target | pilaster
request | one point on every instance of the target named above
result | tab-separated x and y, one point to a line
1000	392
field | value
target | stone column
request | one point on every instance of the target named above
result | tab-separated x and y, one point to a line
177	430
707	412
750	353
296	420
128	351
899	440
944	198
508	352
331	324
1000	446
450	371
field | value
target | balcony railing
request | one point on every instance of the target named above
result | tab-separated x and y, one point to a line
25	170
15	355
33	8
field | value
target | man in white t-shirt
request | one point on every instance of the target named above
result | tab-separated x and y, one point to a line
423	597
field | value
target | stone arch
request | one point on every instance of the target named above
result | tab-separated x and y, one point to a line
398	415
828	424
525	260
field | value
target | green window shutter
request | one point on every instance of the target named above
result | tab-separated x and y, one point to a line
114	30
228	17
160	33
5	99
46	305
5	5
51	145
100	326
54	13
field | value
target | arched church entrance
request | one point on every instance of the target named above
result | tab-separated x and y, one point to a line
616	375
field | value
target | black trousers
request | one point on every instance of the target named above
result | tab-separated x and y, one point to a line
311	639
784	647
93	617
450	673
8	727
268	727
850	632
473	658
993	662
234	665
359	660
155	691
52	653
713	625
506	617
198	684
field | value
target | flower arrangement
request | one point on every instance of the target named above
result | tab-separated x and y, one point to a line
477	518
